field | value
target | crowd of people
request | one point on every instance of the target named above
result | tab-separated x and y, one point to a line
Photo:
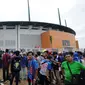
43	68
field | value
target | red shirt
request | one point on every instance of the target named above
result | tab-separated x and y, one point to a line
5	59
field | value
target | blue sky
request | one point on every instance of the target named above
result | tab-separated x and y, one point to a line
46	11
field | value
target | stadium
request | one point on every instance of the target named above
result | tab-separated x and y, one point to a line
36	35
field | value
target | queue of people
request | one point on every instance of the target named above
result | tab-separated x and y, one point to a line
44	68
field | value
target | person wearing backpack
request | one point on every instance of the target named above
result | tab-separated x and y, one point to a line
15	68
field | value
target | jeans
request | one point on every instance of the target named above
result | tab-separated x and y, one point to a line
43	80
82	76
56	73
5	74
16	75
0	63
30	82
23	73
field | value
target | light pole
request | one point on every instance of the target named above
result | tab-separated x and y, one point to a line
17	36
28	10
59	16
65	23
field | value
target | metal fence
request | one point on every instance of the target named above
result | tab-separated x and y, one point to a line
51	49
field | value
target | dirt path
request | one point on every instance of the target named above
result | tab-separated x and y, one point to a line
24	82
21	83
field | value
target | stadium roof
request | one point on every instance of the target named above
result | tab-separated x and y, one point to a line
43	24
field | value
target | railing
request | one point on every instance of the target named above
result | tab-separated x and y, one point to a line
51	49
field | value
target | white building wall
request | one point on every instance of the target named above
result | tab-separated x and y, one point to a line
8	38
30	41
29	38
1	39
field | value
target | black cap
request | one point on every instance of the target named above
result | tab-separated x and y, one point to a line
17	53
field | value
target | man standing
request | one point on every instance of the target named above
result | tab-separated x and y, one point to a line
45	68
6	59
23	66
71	70
32	68
15	67
39	58
56	65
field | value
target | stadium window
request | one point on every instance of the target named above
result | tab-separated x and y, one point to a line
24	28
66	42
10	27
44	29
10	43
1	42
35	28
1	27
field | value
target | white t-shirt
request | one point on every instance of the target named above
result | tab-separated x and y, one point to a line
43	69
40	58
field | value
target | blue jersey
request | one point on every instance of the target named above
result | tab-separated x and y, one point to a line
32	67
76	57
49	67
45	65
23	61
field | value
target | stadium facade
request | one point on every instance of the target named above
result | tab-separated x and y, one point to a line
30	35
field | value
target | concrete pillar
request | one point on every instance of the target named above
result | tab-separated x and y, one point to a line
4	30
18	37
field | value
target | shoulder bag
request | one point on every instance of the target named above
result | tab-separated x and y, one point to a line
75	78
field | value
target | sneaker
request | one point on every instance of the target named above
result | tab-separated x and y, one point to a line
1	84
6	81
1	81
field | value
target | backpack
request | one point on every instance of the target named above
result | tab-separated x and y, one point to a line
16	65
